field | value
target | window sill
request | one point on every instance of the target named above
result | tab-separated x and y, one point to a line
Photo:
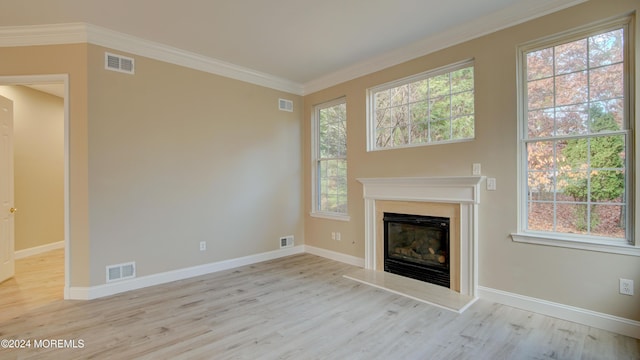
331	216
537	239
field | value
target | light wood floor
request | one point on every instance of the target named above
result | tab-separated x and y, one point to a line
39	280
298	307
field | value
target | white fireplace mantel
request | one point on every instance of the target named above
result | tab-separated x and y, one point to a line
461	190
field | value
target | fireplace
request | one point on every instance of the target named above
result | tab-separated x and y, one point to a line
418	247
455	197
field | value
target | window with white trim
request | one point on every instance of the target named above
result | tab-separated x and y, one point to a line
428	108
329	151
575	139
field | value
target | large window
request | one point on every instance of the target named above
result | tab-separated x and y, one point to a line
432	107
330	159
575	138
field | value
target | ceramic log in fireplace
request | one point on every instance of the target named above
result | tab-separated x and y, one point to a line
417	246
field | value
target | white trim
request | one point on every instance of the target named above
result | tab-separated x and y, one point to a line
74	33
510	16
336	256
445	189
330	216
50	34
123	42
94	292
37	250
596	319
98	291
47	79
573	244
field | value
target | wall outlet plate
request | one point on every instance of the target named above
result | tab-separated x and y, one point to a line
626	287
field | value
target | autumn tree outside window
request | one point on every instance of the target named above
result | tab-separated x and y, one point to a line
575	139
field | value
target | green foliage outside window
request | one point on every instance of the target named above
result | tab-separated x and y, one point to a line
331	164
425	109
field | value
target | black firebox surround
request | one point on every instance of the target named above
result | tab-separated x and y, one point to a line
434	273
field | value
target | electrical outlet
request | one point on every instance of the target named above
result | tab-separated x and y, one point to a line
626	287
333	236
203	245
338	236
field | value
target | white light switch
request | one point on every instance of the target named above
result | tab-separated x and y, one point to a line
477	170
491	183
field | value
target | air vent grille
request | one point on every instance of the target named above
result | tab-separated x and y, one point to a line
285	105
121	271
119	63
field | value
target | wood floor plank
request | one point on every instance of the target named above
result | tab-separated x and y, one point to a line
297	307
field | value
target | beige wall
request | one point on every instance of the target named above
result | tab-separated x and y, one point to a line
71	60
178	156
167	158
38	139
585	279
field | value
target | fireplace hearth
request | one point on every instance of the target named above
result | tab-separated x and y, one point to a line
417	246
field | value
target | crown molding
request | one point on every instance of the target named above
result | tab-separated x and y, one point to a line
35	35
511	16
131	44
73	33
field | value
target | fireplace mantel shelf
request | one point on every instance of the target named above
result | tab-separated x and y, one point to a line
450	189
448	180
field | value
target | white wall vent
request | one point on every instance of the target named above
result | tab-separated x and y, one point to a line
286	241
285	105
121	271
119	63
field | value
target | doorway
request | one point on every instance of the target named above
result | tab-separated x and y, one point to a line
51	253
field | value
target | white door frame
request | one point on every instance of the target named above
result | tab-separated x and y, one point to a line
47	79
7	201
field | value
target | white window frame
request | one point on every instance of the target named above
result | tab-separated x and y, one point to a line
315	180
371	106
629	246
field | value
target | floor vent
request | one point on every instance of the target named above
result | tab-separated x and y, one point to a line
286	241
285	105
121	271
118	63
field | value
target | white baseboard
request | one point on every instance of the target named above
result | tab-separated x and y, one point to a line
603	321
598	320
36	250
94	292
336	256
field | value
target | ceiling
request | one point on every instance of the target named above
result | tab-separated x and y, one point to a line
301	41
